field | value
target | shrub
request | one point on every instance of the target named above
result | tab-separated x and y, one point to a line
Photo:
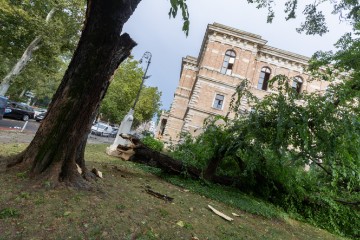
153	143
265	152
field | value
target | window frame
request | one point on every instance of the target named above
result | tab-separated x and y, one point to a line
299	83
228	62
266	72
222	101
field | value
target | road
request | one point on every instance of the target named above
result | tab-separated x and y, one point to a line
11	124
10	132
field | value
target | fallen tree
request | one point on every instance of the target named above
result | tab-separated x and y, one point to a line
139	153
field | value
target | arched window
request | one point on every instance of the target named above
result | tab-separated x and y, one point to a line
297	83
264	78
228	63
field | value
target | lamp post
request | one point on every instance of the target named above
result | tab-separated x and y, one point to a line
127	121
147	56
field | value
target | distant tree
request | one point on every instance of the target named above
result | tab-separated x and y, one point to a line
41	34
122	92
149	103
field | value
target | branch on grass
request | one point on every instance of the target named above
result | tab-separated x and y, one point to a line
159	195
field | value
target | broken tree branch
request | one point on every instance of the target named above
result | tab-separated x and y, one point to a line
159	195
221	214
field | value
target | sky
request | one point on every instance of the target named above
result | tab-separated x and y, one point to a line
152	29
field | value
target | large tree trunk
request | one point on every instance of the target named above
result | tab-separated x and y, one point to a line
59	143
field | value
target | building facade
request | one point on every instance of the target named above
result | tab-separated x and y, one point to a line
227	57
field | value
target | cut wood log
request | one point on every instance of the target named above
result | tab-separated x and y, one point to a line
220	214
159	195
79	168
125	154
97	173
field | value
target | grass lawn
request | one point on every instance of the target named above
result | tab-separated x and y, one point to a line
122	209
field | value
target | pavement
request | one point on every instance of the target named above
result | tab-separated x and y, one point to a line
10	132
12	124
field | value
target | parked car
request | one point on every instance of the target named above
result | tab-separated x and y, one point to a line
19	111
101	129
39	111
40	116
114	132
3	103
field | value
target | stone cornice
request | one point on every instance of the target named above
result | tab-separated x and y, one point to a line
164	114
236	33
294	57
232	33
204	78
181	95
236	36
205	111
188	62
190	59
183	88
173	116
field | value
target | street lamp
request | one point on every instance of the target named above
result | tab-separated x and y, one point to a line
126	123
147	56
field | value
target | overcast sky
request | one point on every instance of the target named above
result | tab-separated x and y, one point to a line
152	29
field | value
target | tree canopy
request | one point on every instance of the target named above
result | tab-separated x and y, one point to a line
315	19
21	23
122	92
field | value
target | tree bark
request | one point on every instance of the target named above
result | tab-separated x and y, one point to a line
147	156
213	164
59	143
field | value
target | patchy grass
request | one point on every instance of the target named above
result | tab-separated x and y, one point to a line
121	208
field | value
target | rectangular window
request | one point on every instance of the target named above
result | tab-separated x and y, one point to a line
219	101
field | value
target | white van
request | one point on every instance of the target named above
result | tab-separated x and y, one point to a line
101	129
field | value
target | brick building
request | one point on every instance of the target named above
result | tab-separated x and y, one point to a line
227	57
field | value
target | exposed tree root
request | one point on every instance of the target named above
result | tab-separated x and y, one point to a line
52	177
13	161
